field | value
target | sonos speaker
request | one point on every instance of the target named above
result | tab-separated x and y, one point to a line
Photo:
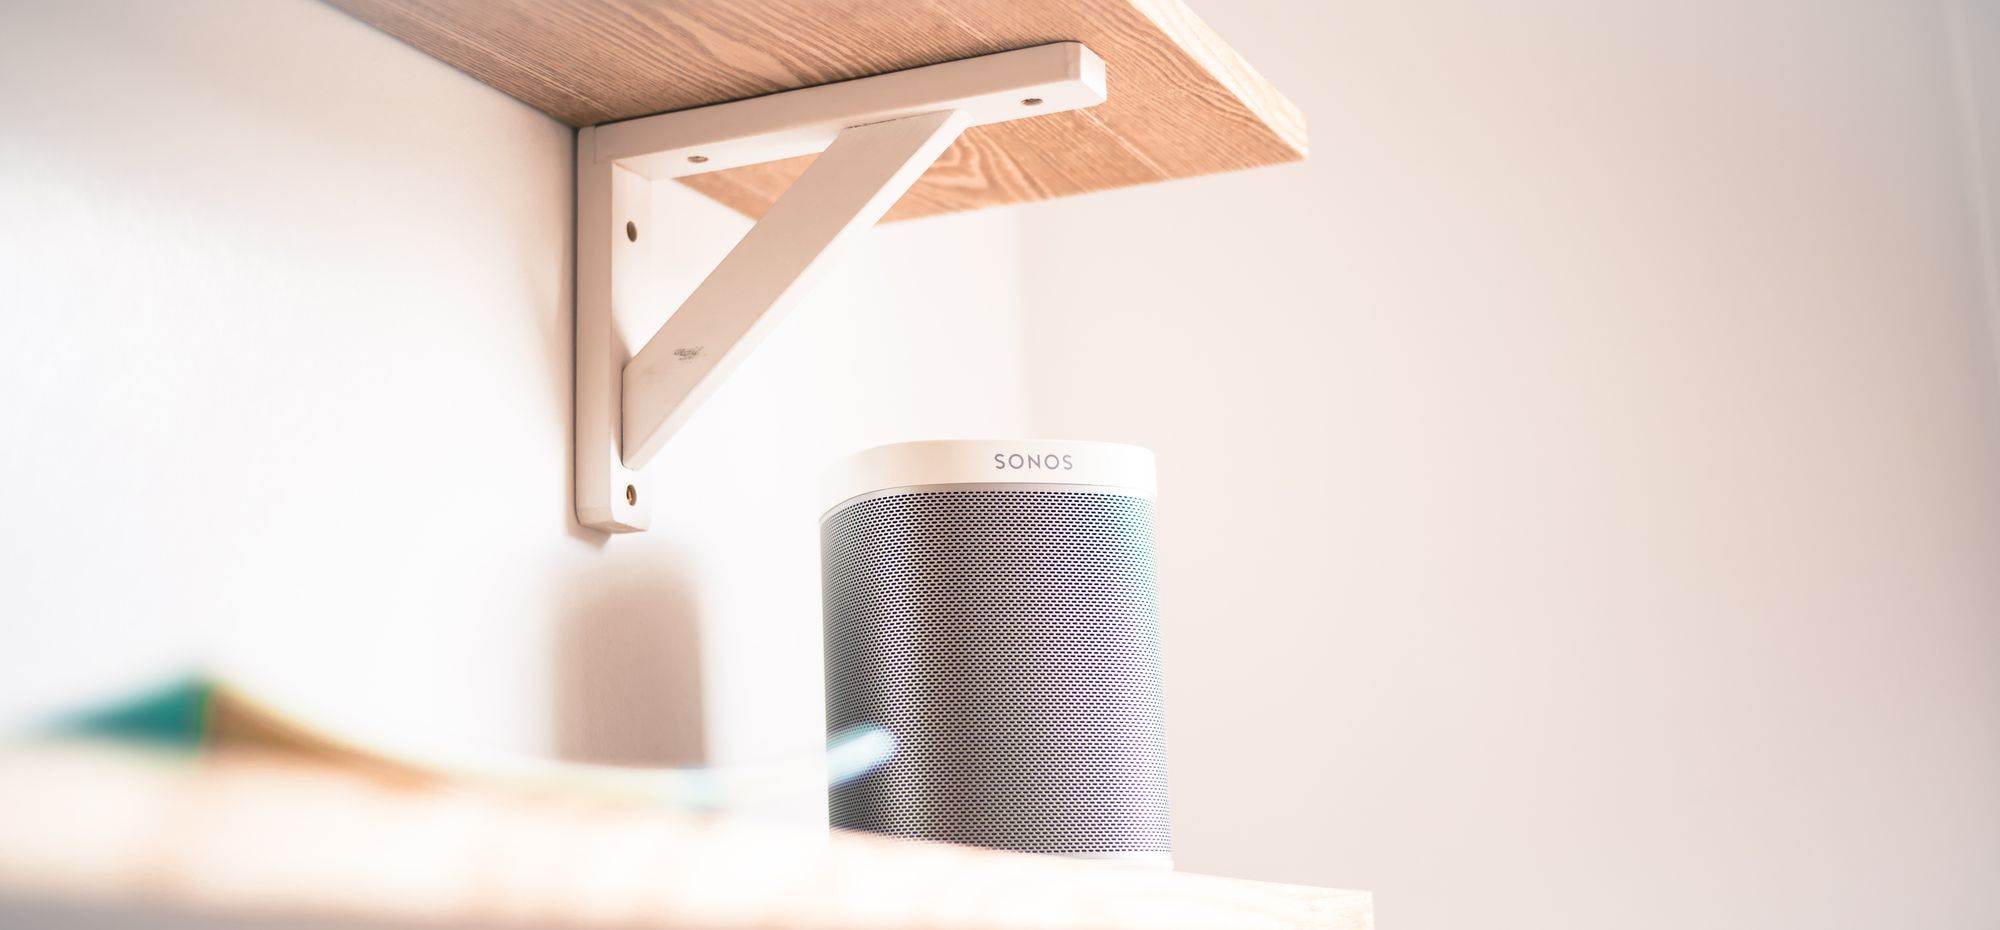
992	605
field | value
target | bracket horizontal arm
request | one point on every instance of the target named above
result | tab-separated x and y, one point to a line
988	89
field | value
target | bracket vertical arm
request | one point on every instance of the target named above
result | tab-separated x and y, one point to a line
610	274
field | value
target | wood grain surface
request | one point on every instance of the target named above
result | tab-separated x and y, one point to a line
1182	103
92	833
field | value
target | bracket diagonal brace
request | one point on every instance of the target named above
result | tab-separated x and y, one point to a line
879	134
856	180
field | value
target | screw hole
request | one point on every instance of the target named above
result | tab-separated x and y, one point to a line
631	232
697	159
1032	102
631	496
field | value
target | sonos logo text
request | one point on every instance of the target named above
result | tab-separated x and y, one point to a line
1049	462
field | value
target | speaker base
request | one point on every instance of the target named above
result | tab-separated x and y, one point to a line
1154	860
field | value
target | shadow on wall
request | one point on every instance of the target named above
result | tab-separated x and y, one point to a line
628	672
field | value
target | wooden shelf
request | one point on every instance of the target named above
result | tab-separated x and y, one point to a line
1182	103
93	835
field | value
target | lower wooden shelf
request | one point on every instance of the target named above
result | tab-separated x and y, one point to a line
238	835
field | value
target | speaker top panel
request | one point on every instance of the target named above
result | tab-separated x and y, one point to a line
1109	465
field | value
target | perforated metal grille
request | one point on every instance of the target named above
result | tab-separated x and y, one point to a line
1010	641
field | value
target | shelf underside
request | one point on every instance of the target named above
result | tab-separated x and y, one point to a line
1182	103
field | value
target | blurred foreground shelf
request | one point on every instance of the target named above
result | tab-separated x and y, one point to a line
97	832
1182	102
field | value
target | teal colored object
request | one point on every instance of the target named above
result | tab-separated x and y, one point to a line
175	715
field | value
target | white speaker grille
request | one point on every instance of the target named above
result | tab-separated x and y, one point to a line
1009	639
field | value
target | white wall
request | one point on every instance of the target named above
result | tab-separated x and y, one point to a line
284	385
1581	479
1580	483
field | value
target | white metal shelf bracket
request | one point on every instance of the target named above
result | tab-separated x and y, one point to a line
875	136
